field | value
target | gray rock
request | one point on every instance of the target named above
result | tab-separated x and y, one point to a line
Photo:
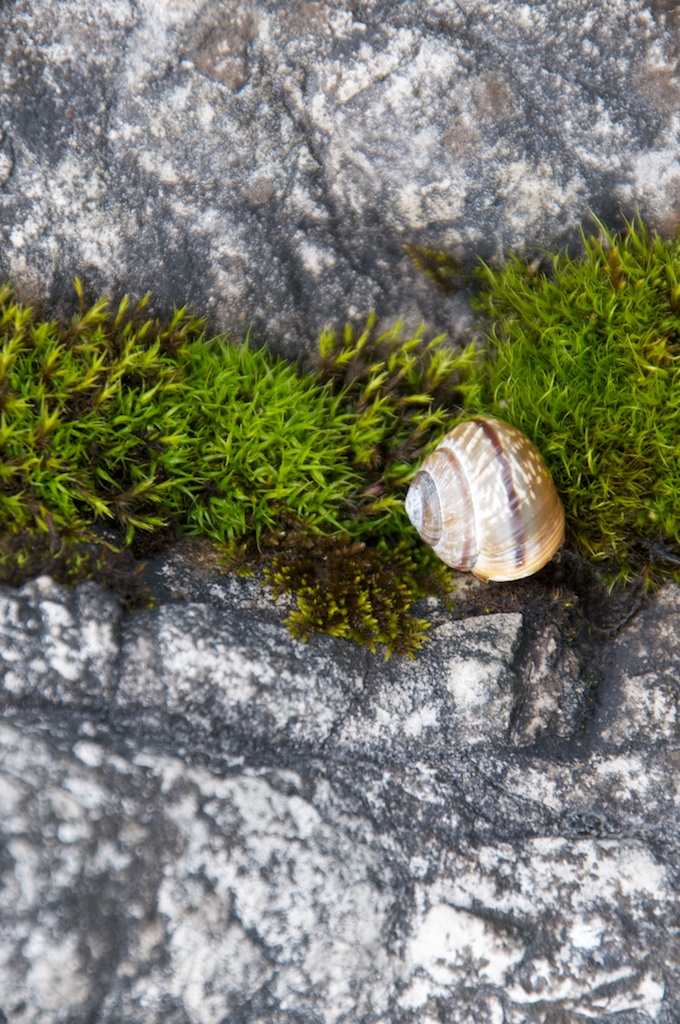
201	819
645	662
70	639
232	825
266	161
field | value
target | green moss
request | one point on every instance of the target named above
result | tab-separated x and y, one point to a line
89	417
349	590
444	270
267	445
587	363
116	421
114	418
402	393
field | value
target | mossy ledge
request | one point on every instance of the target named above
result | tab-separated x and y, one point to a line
586	361
118	431
116	428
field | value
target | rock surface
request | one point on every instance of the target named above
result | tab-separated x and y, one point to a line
205	820
266	161
201	820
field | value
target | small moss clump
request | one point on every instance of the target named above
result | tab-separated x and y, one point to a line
347	588
586	361
442	268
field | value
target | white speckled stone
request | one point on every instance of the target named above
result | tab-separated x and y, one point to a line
279	829
267	161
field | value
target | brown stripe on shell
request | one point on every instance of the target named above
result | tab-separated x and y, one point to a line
516	521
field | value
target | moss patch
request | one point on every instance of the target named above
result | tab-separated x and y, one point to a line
116	419
586	361
118	432
349	589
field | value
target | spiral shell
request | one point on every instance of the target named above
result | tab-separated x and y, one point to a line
485	502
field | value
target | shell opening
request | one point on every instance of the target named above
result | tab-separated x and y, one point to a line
423	508
414	507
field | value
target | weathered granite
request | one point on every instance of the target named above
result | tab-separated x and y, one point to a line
204	820
266	161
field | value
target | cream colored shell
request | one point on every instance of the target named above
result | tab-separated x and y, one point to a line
485	502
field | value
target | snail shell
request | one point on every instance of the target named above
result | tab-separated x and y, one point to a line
485	502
